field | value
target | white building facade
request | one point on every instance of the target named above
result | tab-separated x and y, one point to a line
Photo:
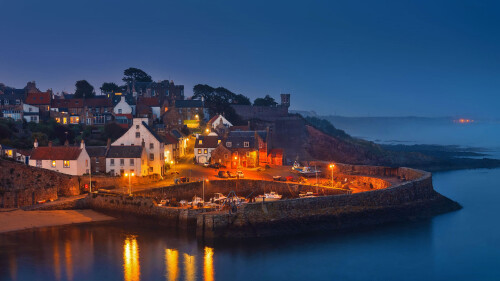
69	160
122	107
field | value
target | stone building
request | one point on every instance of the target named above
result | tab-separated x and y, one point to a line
247	149
266	113
128	159
97	156
140	133
204	145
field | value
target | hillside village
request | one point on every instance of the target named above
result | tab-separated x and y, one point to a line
159	126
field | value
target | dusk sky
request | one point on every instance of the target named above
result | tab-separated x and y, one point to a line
354	58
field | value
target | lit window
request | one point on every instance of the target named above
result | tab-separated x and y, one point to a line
199	151
53	163
218	141
205	151
200	142
66	164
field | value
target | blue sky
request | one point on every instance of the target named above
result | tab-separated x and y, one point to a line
355	58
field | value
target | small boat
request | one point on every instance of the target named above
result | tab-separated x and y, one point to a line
308	194
268	197
196	200
218	198
305	171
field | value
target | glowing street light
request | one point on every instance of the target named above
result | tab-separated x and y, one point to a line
207	130
204	180
129	178
331	167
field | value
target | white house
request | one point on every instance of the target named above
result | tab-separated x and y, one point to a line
218	120
71	160
31	113
204	145
127	159
122	107
140	132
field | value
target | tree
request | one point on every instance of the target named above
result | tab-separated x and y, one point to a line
219	100
241	99
266	101
133	74
84	89
110	87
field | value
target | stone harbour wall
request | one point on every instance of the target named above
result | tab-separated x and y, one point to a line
408	199
242	187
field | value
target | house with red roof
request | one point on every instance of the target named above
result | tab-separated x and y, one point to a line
71	160
41	100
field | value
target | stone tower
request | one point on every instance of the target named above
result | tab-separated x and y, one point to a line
285	100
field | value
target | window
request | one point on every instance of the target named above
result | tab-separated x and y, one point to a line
131	162
151	146
30	109
137	127
112	162
151	157
137	135
199	151
66	164
205	151
200	142
53	163
225	156
218	141
97	160
119	110
122	162
229	144
246	144
39	163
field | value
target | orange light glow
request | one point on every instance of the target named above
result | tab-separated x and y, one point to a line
172	264
332	166
208	266
131	267
464	121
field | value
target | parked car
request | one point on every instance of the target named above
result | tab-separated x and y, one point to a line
222	174
240	174
181	180
217	166
231	175
206	164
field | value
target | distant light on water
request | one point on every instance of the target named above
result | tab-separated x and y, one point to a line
131	267
463	121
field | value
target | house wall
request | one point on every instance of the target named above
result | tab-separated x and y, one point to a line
76	167
200	156
158	150
124	106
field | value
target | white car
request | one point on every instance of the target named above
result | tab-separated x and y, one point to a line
206	164
240	175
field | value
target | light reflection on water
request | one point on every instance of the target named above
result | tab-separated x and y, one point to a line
131	267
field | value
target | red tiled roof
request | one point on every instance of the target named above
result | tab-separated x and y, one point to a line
149	101
98	102
143	109
38	98
67	103
56	153
212	120
128	116
170	139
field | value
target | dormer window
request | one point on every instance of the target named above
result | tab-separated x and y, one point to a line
200	142
246	144
229	144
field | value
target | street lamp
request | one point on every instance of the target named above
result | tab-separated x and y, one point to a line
331	167
129	178
204	190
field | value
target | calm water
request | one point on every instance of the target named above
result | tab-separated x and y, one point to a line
462	245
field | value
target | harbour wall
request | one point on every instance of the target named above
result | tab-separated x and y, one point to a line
413	198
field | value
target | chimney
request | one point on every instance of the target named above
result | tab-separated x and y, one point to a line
35	144
66	143
50	143
248	125
82	145
143	143
108	144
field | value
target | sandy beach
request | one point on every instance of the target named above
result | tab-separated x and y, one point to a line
14	220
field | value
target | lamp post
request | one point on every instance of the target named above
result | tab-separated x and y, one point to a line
331	167
204	190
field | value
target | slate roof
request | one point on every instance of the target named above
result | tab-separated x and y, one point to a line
207	142
56	153
98	102
38	98
67	103
238	138
153	101
169	139
157	137
125	151
142	109
188	103
96	151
